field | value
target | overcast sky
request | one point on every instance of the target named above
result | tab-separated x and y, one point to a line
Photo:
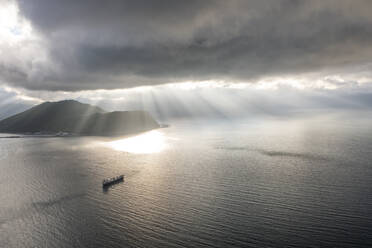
51	47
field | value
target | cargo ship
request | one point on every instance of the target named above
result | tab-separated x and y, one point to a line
113	180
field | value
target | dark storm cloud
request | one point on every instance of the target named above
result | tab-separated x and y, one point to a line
116	44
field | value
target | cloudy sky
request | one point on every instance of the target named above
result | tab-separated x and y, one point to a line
153	54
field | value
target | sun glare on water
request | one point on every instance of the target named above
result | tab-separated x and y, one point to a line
150	142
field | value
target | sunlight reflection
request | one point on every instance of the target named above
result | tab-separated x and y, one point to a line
150	142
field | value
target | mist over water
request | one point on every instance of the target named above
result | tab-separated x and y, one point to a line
299	182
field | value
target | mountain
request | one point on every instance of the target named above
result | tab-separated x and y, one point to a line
78	118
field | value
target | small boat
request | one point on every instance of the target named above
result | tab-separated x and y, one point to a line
113	180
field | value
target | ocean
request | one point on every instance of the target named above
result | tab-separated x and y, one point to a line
261	182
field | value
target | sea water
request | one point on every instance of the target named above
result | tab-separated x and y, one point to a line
298	182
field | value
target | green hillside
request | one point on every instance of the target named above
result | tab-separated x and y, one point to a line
77	118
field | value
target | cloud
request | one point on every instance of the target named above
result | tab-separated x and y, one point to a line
210	100
12	102
86	45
